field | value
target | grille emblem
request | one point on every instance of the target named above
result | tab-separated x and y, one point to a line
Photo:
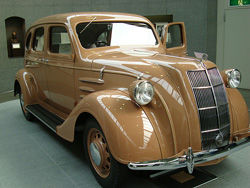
219	139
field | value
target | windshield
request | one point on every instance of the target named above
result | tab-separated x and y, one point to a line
115	34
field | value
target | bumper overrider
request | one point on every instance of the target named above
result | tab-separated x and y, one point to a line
191	159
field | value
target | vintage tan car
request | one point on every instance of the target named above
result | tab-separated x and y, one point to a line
142	103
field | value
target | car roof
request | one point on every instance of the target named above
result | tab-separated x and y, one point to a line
89	16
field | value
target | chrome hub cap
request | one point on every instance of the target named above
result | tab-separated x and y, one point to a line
98	152
95	153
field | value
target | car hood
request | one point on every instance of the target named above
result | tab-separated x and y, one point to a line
152	65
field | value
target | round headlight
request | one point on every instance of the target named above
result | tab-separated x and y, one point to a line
234	78
142	92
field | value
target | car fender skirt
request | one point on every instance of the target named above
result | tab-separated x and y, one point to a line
128	131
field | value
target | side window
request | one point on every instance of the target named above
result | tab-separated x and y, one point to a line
59	40
174	36
27	45
38	43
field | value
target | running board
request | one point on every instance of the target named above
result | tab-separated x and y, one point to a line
49	119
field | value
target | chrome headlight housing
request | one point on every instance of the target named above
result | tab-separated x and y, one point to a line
141	91
234	78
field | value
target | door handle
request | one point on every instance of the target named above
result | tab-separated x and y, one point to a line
45	60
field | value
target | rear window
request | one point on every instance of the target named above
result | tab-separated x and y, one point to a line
38	43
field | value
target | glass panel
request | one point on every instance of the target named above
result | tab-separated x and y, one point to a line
59	40
132	34
174	37
115	34
38	44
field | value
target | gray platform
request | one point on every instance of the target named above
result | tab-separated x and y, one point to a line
32	156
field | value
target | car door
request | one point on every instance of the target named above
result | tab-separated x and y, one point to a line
60	68
174	40
35	61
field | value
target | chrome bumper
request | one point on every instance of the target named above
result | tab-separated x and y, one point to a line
190	159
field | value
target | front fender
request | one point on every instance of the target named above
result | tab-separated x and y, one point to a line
128	131
239	114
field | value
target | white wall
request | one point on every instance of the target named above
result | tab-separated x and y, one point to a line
233	30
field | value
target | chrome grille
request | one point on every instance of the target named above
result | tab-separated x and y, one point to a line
212	104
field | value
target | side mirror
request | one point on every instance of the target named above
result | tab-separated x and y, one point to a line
174	40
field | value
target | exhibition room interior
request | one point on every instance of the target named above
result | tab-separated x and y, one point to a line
33	155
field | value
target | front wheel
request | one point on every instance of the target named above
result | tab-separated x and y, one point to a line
107	171
26	114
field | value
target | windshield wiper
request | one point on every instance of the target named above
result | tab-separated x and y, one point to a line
87	25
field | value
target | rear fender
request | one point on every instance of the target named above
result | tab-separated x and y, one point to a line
27	85
129	133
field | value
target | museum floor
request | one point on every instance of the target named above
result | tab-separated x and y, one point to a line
32	156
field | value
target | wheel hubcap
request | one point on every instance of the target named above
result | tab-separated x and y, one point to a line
99	152
95	153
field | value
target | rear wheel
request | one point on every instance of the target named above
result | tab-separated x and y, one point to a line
107	171
26	114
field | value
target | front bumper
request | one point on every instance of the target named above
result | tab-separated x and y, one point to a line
190	159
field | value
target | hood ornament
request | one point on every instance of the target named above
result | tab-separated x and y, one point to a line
202	57
202	64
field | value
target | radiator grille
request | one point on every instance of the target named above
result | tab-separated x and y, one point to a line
212	104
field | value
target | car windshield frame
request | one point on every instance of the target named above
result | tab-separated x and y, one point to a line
92	34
